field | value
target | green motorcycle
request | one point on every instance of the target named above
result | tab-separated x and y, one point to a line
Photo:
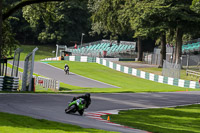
77	105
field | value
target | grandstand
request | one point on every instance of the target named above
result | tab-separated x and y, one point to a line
190	48
103	48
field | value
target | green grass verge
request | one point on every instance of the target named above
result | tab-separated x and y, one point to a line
63	87
10	123
44	51
181	119
158	71
38	87
126	82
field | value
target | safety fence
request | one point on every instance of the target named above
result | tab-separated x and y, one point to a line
171	69
155	56
42	81
193	73
47	82
135	72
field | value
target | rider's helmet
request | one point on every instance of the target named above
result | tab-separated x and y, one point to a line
87	95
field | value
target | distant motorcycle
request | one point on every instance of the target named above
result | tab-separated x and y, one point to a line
66	70
77	105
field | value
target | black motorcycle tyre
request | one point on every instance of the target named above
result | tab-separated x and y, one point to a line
67	72
81	112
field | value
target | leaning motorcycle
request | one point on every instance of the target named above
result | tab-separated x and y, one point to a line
66	70
77	105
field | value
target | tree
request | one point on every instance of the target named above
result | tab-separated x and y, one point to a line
8	12
196	6
158	16
146	18
62	22
22	4
1	27
107	18
183	20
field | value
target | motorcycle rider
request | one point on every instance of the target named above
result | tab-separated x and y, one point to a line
86	97
66	69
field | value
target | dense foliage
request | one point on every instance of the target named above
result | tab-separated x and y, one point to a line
63	21
58	22
150	18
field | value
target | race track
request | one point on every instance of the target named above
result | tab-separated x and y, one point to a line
71	79
51	106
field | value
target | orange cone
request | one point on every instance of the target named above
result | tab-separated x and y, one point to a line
108	119
186	89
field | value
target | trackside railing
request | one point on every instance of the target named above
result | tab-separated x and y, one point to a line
193	73
42	81
47	82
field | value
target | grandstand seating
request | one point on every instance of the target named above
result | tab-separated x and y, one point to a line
98	49
189	48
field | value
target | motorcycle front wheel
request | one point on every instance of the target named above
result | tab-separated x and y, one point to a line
71	109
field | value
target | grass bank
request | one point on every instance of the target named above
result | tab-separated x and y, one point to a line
126	82
158	71
10	123
44	51
185	119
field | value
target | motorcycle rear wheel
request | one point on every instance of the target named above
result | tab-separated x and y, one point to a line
67	72
81	112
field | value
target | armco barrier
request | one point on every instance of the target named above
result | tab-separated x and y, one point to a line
135	72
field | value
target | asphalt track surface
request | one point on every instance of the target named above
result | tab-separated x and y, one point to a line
51	106
71	79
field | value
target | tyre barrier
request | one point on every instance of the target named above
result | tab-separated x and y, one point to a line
1	82
8	83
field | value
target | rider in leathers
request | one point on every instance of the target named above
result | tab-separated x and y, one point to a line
86	97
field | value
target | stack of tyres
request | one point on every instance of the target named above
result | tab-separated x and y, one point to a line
10	83
1	82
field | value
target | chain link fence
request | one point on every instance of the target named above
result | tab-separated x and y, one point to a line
153	58
191	61
171	69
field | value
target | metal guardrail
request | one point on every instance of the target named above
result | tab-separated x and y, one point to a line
193	73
